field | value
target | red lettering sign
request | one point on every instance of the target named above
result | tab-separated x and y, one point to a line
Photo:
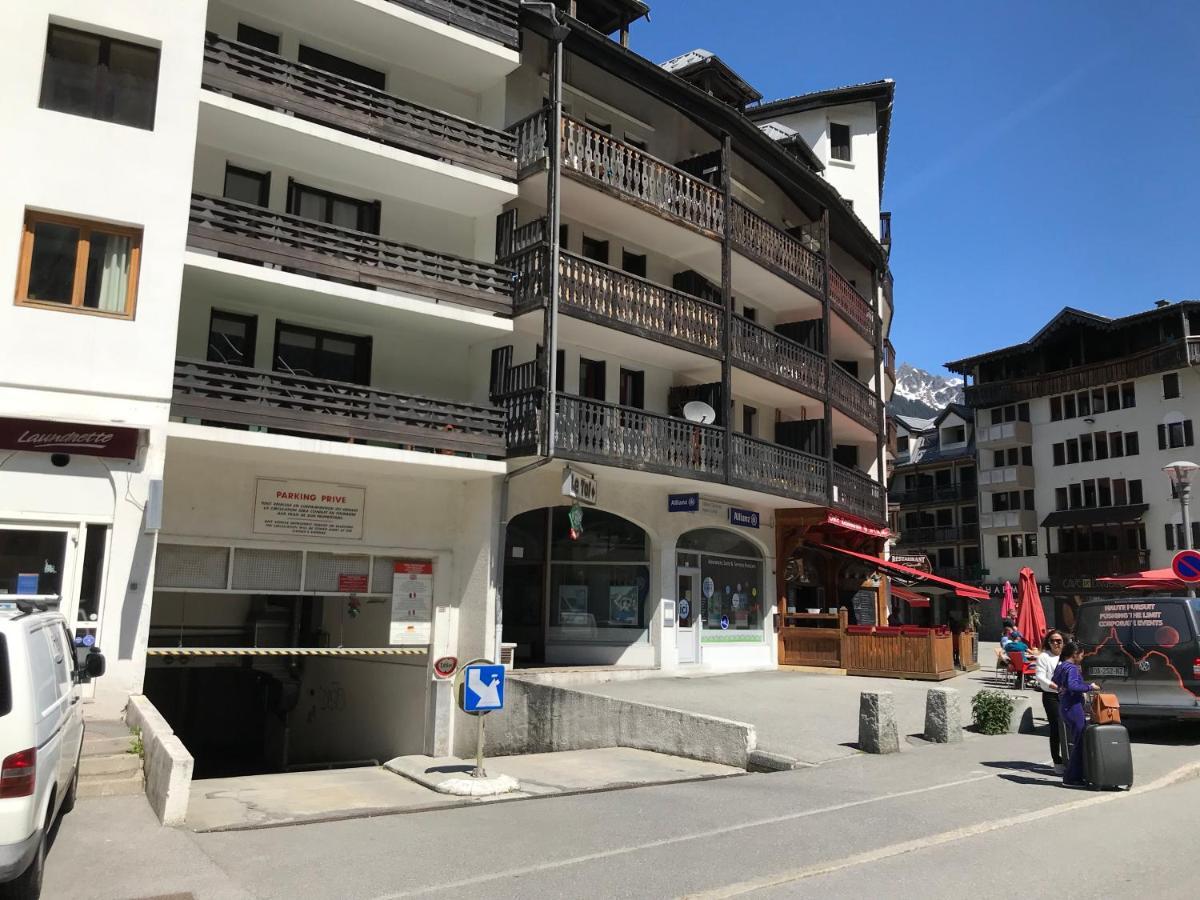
41	436
352	584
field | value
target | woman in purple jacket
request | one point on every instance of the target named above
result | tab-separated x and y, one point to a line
1071	688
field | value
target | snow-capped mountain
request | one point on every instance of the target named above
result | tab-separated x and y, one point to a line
920	393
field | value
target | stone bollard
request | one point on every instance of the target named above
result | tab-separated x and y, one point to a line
943	717
877	732
1021	720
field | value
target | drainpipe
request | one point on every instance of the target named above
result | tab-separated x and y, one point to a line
727	302
546	23
881	437
827	327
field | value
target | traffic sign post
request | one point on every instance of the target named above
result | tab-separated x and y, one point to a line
480	686
1186	566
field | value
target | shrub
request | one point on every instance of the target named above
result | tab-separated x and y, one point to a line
992	711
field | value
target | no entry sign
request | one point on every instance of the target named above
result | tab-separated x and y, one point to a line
1186	566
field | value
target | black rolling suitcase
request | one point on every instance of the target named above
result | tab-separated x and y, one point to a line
1107	758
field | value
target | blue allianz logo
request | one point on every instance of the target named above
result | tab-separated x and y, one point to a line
683	502
747	518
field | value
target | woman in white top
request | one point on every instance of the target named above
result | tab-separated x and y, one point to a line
1047	662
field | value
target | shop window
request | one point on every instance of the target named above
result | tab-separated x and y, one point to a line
231	338
100	77
732	567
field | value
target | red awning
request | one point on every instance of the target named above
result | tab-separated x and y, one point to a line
962	590
912	598
1152	580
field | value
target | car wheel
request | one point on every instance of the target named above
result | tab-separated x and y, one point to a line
28	885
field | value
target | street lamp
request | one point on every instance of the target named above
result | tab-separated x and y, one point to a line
1180	473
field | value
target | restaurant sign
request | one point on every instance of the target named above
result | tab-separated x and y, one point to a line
918	561
43	436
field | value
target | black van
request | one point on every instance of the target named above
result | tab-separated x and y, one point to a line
1144	650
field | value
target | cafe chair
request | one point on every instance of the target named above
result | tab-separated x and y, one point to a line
1020	668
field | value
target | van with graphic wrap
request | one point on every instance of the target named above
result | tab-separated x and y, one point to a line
1144	650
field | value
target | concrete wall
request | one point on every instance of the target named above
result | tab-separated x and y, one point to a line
167	764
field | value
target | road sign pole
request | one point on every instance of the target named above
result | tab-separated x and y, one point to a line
1185	494
479	773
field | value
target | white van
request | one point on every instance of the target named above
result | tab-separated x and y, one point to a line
41	737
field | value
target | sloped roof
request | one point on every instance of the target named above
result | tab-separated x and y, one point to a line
689	65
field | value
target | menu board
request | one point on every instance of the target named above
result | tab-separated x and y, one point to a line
863	603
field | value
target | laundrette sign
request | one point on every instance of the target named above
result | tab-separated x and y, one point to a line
42	436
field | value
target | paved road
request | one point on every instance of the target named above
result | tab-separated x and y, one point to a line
663	841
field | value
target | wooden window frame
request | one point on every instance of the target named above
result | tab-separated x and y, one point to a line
82	250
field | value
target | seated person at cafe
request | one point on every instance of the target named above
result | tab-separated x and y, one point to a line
1007	636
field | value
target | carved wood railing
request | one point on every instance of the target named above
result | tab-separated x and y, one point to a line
775	249
779	358
775	469
855	399
494	19
249	232
347	105
847	302
221	394
889	359
859	494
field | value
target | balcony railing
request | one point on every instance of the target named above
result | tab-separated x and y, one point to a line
251	233
939	493
495	19
1096	563
889	359
314	94
938	534
771	355
859	494
294	404
608	296
855	399
775	469
852	306
777	250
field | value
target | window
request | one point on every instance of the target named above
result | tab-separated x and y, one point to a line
1017	544
1175	434
1104	489
1060	454
1002	547
231	338
955	435
1056	410
634	141
634	263
1170	383
997	415
1022	412
1128	398
314	353
1069	406
1120	497
256	37
247	186
337	65
1131	443
1172	533
606	127
902	444
1073	451
1085	447
839	141
100	77
80	265
1031	548
1000	501
1060	498
1027	499
633	388
1101	438
1097	401
1027	456
1135	490
1083	403
591	378
333	209
750	314
1076	494
1113	397
749	413
596	250
1115	445
1089	492
998	459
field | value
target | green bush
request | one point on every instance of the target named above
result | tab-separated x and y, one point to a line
992	711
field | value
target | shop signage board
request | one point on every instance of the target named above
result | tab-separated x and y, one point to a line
352	584
683	502
746	518
580	486
412	602
919	561
1186	566
43	436
308	509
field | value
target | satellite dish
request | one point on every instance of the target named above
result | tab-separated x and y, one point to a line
699	411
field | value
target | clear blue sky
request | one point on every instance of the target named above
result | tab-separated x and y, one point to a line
1044	153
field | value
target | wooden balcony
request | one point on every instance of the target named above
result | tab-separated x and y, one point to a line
855	399
935	493
889	359
852	306
315	95
775	469
778	358
778	251
938	534
253	234
608	296
235	396
494	19
858	494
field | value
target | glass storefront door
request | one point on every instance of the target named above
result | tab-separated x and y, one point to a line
687	609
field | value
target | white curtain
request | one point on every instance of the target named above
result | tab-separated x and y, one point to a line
114	272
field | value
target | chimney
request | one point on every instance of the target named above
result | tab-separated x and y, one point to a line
1161	304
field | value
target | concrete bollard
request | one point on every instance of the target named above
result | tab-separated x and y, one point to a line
943	716
877	731
1021	720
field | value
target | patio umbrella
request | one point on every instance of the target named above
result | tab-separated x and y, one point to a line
1008	609
1031	620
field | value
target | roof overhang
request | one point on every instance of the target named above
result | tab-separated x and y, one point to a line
1096	515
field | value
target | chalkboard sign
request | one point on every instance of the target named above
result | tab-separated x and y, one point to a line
863	603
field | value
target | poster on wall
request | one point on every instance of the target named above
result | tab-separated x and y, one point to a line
573	605
308	509
412	602
623	604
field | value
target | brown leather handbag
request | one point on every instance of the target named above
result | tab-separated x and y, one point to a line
1106	709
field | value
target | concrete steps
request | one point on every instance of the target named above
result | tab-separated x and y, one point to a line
108	768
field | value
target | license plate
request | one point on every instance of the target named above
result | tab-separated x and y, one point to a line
1109	672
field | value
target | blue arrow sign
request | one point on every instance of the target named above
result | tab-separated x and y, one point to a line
483	689
1186	565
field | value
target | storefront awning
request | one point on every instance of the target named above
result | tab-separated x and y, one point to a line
1096	515
915	575
912	598
1151	580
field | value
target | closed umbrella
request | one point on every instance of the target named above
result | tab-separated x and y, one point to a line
1031	620
1008	609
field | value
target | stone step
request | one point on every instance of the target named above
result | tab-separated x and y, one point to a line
115	786
113	764
105	746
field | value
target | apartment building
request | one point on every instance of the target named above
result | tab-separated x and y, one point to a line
292	283
1074	428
